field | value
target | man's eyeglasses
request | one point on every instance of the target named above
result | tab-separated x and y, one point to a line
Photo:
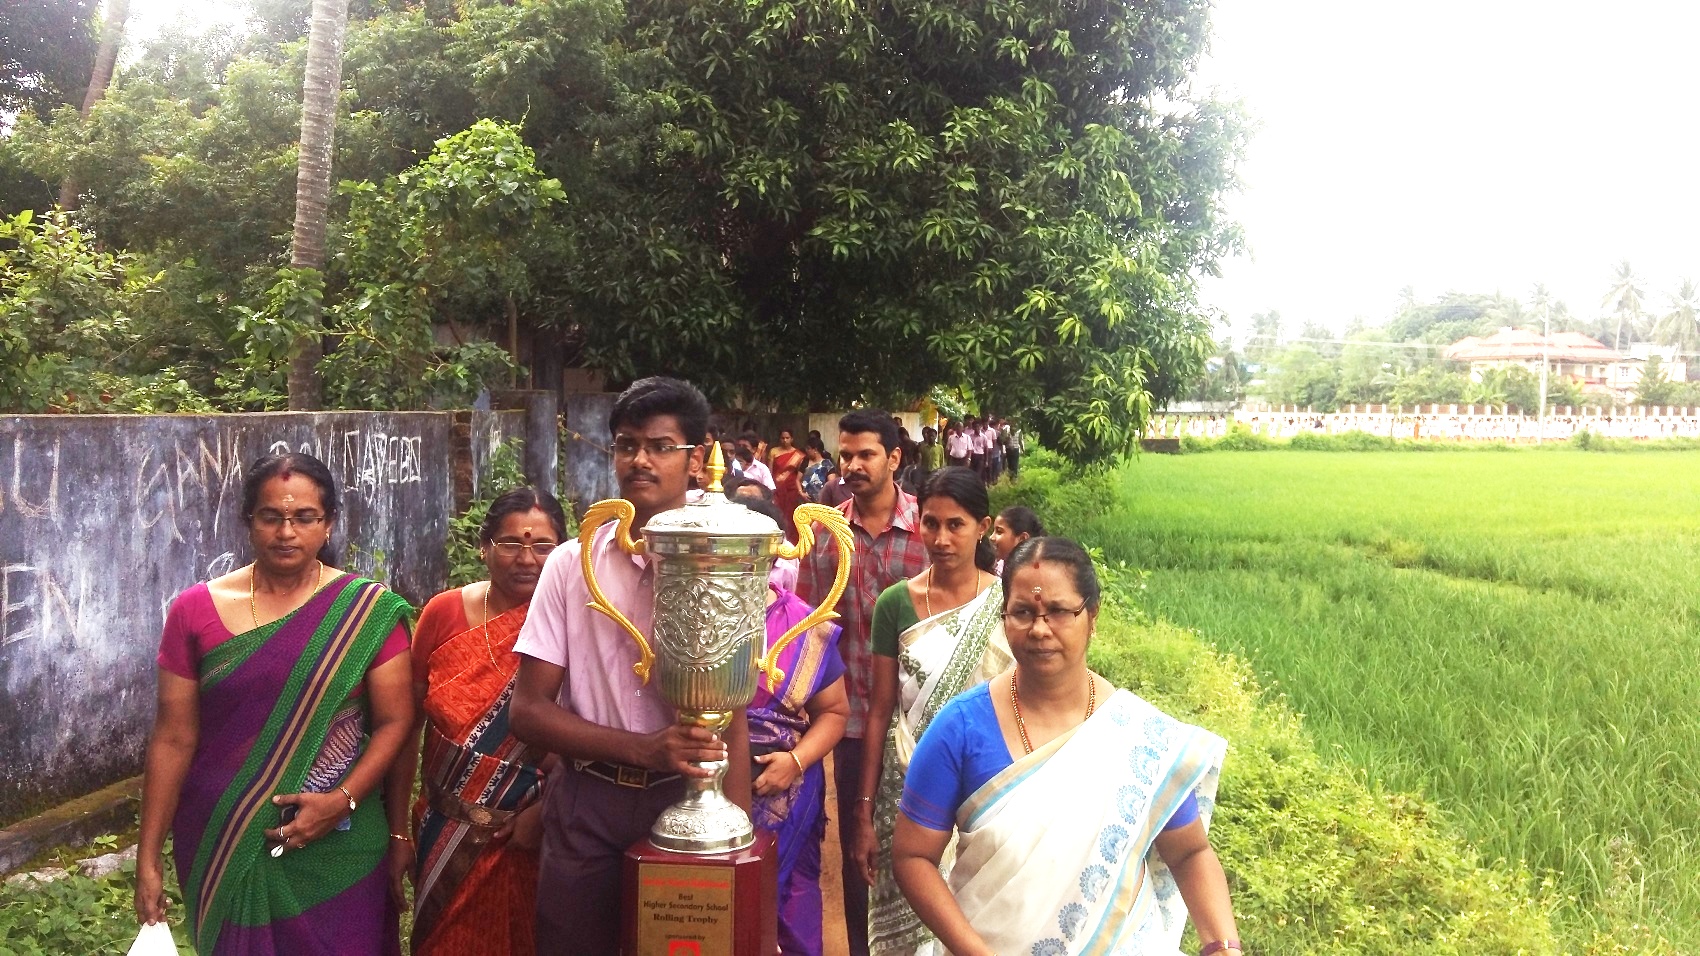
1055	616
511	549
273	520
626	448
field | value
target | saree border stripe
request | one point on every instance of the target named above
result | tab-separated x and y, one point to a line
316	683
1197	746
803	671
1009	778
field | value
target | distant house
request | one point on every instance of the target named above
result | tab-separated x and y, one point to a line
1585	361
1626	375
1572	354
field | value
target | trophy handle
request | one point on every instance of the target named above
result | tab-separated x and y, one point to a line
839	527
599	514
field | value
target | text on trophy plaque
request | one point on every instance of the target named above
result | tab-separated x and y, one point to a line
685	910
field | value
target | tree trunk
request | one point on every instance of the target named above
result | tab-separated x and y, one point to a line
513	342
105	61
313	183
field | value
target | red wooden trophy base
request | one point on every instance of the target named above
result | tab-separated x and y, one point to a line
687	904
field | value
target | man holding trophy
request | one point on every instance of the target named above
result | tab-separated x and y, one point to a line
638	659
625	754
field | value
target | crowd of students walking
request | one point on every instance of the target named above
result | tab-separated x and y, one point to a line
993	794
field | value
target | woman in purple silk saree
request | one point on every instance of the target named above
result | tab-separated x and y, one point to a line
271	743
280	715
792	729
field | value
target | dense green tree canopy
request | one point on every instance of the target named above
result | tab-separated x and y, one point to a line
46	56
855	201
800	203
46	53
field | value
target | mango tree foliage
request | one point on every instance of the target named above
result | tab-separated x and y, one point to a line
465	232
74	335
808	203
858	201
461	233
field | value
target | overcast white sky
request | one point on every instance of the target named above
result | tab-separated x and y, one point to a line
1470	145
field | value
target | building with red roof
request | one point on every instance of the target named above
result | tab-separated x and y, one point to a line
1584	360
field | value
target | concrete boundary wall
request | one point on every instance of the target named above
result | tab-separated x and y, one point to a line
104	519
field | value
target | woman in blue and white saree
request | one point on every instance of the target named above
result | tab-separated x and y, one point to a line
1080	810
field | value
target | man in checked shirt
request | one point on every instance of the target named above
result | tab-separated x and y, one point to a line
884	519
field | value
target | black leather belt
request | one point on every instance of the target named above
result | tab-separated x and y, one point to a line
621	775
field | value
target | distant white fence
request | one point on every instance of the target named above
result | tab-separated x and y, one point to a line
1437	422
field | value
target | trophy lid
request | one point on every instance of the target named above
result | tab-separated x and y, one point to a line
713	514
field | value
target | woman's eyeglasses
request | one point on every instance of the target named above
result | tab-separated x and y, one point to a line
511	549
273	520
1055	615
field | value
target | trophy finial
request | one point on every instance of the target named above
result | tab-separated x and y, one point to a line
716	469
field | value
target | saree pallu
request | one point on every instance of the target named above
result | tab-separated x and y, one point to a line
938	658
1056	854
778	719
473	898
277	717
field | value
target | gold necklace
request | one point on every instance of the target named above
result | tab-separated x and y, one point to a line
253	589
1015	704
488	647
927	595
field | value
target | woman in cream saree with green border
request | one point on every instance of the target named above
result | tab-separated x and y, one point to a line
938	658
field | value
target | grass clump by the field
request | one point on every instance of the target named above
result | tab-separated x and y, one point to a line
1511	635
1318	861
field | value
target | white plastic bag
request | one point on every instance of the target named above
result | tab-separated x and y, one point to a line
154	940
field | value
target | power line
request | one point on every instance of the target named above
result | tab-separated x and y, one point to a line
1395	345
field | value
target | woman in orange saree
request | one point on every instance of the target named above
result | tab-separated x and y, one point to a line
787	467
478	818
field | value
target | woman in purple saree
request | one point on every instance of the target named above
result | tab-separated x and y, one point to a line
272	740
792	729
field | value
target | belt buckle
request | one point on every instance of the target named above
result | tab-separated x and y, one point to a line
480	816
631	777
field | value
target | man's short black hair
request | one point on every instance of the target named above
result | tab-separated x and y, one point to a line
659	395
874	421
750	436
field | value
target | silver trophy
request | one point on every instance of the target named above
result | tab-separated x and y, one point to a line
712	558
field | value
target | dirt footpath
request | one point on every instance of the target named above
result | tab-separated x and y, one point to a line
831	883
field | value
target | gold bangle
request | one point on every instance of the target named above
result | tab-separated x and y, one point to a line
352	806
402	837
799	763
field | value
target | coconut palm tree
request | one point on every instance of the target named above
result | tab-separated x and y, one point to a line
1681	325
1624	300
105	61
1508	313
313	183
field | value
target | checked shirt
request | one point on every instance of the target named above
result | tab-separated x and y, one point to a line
897	554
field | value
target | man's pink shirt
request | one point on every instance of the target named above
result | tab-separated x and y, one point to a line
598	654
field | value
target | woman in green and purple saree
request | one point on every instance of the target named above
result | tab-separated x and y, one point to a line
284	694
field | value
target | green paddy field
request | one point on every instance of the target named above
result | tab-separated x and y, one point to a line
1515	634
